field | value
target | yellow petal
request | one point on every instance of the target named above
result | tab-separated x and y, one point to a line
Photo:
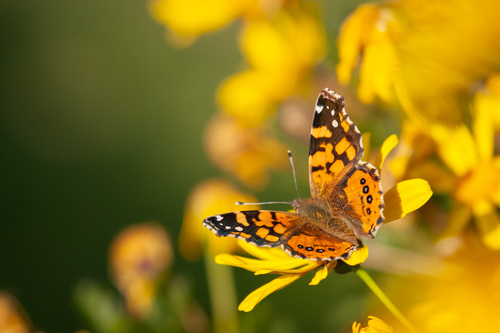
323	273
483	128
258	295
266	253
378	325
389	144
352	39
495	195
257	265
358	257
405	197
378	64
301	266
456	148
193	17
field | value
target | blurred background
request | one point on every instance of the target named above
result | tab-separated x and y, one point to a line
124	123
101	127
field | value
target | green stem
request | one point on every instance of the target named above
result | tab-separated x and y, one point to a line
363	275
222	296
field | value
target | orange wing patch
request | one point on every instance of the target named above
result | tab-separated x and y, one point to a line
321	132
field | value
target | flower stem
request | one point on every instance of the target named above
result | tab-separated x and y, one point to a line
222	296
363	275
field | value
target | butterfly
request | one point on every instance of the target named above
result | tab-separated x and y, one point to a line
346	201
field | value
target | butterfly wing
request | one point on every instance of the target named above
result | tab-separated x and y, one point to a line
258	227
364	200
312	242
336	172
296	234
335	146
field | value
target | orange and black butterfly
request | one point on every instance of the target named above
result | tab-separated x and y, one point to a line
346	201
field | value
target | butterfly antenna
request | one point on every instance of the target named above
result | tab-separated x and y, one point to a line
239	203
293	171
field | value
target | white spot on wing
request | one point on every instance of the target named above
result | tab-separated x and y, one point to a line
228	227
219	218
238	228
318	108
335	123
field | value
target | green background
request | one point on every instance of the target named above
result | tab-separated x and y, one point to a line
101	126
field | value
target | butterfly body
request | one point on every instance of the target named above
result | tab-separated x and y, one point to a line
346	201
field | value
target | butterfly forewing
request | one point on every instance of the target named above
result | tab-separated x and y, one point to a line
335	145
259	227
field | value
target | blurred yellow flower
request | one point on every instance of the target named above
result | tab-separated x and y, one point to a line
208	198
138	257
415	158
402	199
371	31
375	325
281	52
489	98
424	55
245	152
277	261
13	319
190	18
463	298
470	156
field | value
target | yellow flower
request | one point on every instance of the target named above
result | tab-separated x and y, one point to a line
187	19
139	256
245	152
402	199
470	156
276	261
424	55
375	325
208	198
462	299
12	316
367	31
281	53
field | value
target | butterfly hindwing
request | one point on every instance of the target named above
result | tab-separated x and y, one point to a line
311	242
365	203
